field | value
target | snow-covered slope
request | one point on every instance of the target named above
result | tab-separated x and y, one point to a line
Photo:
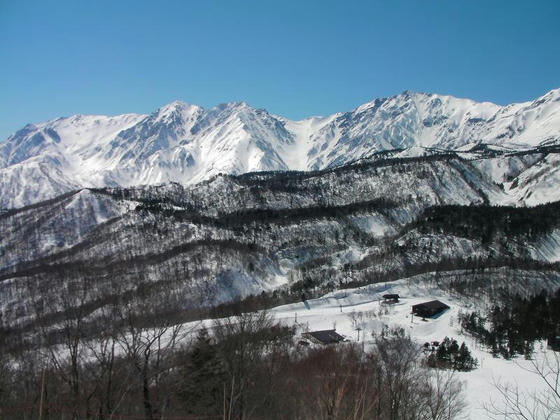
187	144
233	236
363	308
44	160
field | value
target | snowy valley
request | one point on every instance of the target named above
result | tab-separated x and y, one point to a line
188	216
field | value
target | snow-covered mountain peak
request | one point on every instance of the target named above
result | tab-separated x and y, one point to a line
551	96
232	108
234	105
186	143
370	105
177	110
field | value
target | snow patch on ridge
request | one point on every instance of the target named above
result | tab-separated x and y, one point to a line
188	144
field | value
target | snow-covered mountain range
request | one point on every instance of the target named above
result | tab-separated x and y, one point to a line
189	214
188	144
283	232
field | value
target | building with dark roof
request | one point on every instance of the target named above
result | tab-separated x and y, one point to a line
429	309
324	337
391	298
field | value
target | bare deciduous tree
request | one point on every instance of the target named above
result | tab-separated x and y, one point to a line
443	395
514	403
149	351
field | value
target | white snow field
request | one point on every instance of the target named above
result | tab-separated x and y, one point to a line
186	143
349	309
364	304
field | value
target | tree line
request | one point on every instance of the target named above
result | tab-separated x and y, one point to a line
243	367
512	326
488	222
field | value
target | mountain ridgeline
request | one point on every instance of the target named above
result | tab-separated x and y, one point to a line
188	144
188	209
267	237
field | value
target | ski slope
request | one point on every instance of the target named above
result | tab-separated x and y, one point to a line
336	310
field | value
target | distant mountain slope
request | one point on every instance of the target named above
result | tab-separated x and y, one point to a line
285	232
188	144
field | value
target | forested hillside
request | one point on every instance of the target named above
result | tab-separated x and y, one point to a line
263	234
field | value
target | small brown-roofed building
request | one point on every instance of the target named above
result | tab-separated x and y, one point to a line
324	337
429	309
391	298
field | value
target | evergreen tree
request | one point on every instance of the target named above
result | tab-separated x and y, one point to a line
442	353
465	361
204	376
453	348
529	349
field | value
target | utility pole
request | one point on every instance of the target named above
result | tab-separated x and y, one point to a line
224	418
42	395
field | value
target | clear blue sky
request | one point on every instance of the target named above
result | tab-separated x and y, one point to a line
294	58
